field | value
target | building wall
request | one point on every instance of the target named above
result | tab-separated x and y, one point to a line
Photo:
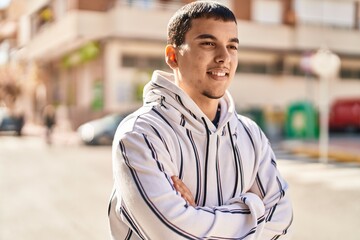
122	81
95	5
250	90
141	33
242	9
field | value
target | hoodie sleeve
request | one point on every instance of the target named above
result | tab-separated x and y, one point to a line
150	206
273	191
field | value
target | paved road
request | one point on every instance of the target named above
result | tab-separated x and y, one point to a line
61	192
326	199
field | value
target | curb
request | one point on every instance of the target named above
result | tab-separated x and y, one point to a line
60	135
338	155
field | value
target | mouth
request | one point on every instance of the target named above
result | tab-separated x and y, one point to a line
218	73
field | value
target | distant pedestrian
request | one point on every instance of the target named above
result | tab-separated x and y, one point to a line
49	119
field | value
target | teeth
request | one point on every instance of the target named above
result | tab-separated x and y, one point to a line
219	74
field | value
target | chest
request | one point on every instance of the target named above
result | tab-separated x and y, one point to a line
216	167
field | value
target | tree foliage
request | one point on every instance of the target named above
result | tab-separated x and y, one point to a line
10	90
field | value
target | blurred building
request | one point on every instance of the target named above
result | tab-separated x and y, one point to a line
9	87
93	56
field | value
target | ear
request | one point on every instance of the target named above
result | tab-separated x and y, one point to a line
170	54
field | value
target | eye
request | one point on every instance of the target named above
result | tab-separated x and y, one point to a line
211	44
233	47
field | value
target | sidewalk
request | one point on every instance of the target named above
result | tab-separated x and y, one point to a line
61	135
341	149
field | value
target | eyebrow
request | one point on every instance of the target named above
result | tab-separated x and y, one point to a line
209	36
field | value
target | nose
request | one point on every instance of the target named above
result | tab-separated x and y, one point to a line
222	55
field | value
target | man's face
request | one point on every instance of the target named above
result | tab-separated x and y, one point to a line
208	58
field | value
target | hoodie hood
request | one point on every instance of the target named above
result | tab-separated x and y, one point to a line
179	107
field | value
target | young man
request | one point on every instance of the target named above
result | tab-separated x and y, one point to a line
186	166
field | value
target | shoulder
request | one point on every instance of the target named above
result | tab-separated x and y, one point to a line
134	120
148	120
252	129
248	123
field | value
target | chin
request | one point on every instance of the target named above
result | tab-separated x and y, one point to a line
213	96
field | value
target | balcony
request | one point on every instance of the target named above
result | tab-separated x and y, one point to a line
79	26
341	40
66	34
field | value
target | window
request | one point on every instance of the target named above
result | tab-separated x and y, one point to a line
144	62
350	73
267	11
331	13
257	68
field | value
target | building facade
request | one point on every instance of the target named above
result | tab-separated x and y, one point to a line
94	56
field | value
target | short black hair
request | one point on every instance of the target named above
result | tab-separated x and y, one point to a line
180	23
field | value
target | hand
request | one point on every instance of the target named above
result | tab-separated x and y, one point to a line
183	190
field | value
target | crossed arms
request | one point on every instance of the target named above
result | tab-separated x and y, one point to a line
160	206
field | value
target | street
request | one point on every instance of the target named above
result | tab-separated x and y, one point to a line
62	191
326	199
58	192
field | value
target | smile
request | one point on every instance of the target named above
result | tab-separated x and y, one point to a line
219	74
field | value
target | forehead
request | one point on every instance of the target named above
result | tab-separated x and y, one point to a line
218	28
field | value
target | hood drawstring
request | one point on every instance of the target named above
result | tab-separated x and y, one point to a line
235	159
206	158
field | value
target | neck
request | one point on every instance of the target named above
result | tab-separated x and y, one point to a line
209	108
207	105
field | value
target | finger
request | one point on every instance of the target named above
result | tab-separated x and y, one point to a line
183	190
190	200
176	183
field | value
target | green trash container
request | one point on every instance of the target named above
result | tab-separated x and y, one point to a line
256	114
301	121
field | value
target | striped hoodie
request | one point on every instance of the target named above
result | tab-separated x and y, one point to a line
230	170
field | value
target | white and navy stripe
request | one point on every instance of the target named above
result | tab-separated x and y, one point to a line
221	166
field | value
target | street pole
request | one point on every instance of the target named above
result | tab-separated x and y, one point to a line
326	65
324	119
305	65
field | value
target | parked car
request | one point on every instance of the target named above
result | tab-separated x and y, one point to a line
345	115
100	131
10	123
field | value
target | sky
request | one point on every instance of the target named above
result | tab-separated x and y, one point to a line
4	3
